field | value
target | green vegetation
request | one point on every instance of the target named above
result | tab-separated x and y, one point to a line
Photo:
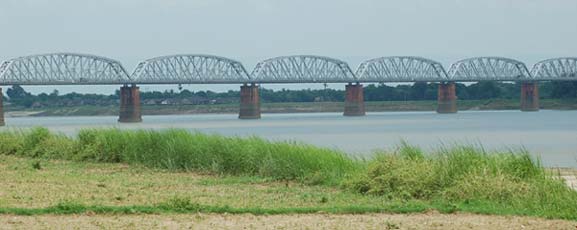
467	175
419	91
417	97
177	171
293	107
181	150
182	205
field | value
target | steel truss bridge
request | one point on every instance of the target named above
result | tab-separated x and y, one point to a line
82	69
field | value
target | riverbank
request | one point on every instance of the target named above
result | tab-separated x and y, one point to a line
177	172
294	107
132	194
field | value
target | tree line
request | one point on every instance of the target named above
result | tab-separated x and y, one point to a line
16	95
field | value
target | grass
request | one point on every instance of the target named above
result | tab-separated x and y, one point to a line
180	150
469	177
114	171
180	205
91	184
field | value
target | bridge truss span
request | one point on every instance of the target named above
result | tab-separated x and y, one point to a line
489	69
302	69
401	69
190	69
62	69
564	68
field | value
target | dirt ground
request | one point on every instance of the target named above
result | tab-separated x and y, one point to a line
311	221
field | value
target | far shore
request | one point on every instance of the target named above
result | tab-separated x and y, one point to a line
288	107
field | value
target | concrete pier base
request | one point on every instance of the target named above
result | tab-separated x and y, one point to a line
130	104
249	102
529	97
354	100
2	108
447	98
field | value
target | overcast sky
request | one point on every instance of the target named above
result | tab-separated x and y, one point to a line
253	30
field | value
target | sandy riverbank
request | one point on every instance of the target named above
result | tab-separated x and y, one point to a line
430	220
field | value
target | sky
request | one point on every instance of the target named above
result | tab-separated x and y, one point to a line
253	30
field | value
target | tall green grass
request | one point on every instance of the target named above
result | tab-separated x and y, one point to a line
185	151
458	178
468	177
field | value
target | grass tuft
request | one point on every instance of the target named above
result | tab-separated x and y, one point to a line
465	175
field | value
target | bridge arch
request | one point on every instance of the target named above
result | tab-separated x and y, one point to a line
190	69
563	68
62	69
401	69
302	69
489	68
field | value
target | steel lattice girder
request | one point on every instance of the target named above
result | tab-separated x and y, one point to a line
81	69
401	69
302	69
489	69
564	68
62	69
190	69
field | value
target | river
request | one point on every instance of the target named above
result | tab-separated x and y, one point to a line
550	135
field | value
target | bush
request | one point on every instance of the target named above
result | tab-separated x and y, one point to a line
397	176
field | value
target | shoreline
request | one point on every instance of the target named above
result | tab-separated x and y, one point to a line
32	114
102	193
292	107
214	179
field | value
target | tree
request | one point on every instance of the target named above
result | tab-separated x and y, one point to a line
564	89
17	92
54	93
484	90
419	90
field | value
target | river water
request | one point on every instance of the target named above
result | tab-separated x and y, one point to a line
550	135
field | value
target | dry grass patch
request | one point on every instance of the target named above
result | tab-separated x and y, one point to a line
119	185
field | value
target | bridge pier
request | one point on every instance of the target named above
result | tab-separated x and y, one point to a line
529	97
129	104
354	100
2	108
249	102
447	98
